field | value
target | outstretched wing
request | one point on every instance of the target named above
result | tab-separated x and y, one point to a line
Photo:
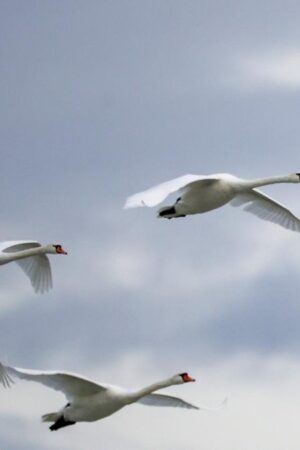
168	400
17	246
264	207
37	267
165	400
156	194
71	385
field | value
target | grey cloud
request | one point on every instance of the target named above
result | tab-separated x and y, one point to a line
101	100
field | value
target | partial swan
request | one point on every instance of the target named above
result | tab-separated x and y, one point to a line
202	193
31	257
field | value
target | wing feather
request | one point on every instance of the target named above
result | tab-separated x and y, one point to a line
71	385
17	246
264	207
169	400
37	268
166	400
156	194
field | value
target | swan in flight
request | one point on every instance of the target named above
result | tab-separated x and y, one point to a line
89	401
202	193
31	257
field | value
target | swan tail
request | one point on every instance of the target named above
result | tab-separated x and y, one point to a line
51	417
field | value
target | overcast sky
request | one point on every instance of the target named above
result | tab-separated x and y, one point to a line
101	99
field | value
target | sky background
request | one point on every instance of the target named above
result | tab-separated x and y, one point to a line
102	99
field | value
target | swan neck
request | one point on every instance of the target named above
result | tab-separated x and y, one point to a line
135	396
266	181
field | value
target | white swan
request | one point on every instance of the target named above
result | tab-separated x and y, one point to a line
201	193
89	401
31	257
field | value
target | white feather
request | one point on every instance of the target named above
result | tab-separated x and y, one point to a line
201	194
264	207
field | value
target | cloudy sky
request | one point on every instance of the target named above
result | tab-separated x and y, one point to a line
100	99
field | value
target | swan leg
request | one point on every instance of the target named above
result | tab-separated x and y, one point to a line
60	423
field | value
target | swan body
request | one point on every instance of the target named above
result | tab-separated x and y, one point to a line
31	256
89	401
203	193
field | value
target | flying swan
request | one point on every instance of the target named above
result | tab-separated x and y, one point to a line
31	257
202	193
89	401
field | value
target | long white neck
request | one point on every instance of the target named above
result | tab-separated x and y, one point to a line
272	180
135	396
24	254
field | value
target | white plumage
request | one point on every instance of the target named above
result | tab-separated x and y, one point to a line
90	401
200	194
32	257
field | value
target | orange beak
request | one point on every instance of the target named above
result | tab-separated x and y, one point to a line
187	378
61	251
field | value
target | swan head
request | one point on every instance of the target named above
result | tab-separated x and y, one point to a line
182	378
56	249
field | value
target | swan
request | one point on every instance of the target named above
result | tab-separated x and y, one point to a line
202	193
31	257
89	401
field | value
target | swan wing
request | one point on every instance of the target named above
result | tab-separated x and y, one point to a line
264	207
70	384
165	400
168	400
38	269
17	246
156	194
